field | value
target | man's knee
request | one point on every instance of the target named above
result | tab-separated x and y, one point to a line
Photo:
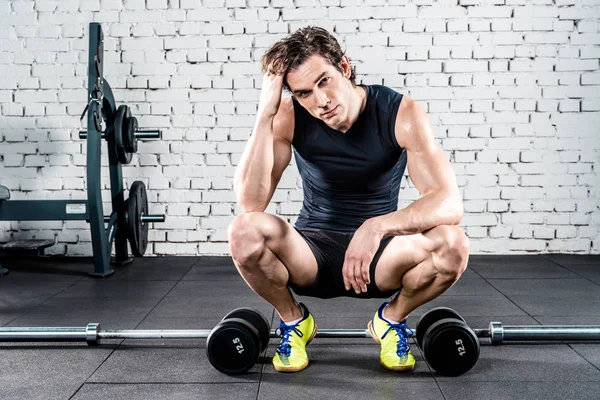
453	254
248	234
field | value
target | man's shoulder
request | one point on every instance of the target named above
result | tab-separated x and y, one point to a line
385	98
385	90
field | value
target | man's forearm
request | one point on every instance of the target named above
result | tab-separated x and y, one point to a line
252	181
434	209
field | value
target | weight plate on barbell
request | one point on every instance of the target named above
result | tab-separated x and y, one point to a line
451	347
257	319
232	346
431	317
137	230
129	139
120	127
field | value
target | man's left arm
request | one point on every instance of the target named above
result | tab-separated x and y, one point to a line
431	173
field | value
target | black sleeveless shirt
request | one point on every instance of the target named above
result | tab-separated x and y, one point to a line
349	177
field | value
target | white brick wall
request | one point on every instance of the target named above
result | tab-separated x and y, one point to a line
512	89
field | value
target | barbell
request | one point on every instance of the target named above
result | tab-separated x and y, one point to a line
139	134
234	344
125	134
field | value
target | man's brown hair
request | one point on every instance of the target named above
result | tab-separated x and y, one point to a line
290	52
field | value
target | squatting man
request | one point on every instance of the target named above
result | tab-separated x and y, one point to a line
351	143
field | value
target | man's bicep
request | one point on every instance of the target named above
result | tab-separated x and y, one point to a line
429	169
283	126
282	155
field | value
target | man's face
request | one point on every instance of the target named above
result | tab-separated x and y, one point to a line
322	89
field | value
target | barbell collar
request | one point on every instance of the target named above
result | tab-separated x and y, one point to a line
139	134
91	334
496	333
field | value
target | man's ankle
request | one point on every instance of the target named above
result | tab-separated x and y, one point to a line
294	316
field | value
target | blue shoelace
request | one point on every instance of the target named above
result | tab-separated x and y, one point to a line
284	331
403	331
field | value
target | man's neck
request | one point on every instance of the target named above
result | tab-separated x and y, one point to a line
358	101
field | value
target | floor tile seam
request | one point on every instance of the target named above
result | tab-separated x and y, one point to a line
445	379
582	356
77	391
260	376
436	381
547	255
544	279
433	374
573	272
500	294
42	303
172	383
142	320
571	315
475	272
265	351
97	368
194	263
168	280
539	279
167	293
506	297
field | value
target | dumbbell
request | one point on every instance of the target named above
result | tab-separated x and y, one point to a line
234	344
449	346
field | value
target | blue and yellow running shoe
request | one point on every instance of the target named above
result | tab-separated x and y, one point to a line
290	355
395	352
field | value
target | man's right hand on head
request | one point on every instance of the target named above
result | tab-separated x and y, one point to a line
270	96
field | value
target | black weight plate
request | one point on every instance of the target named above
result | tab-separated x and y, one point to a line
232	346
132	210
126	217
432	316
451	347
121	124
257	320
129	139
143	238
137	230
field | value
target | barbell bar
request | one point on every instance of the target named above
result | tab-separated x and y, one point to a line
139	134
92	333
146	218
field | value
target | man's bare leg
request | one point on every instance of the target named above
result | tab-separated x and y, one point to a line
269	253
423	266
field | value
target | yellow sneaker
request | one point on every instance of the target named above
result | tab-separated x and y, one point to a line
395	352
290	355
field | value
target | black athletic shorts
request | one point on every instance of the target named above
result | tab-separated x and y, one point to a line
329	248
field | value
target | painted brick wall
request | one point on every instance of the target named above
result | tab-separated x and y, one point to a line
512	88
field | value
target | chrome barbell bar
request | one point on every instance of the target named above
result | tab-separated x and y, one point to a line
92	333
146	218
139	134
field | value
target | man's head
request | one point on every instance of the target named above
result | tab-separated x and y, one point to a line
292	51
315	70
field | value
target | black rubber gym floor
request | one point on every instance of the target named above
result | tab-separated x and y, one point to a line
195	292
